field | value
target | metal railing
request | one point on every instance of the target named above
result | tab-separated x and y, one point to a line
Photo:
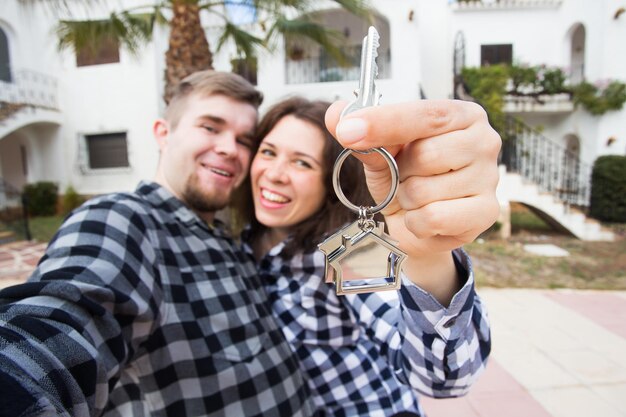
323	68
31	88
552	167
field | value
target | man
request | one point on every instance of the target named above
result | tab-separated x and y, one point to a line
143	306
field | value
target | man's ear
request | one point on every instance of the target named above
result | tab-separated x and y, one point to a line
161	131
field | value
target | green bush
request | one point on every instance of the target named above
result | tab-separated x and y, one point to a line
488	86
608	189
600	100
41	198
71	200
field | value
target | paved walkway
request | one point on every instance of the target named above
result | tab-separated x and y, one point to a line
556	353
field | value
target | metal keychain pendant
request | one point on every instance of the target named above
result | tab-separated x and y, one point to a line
361	257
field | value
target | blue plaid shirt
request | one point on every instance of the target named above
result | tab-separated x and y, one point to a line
370	354
138	308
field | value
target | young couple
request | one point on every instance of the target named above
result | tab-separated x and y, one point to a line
143	306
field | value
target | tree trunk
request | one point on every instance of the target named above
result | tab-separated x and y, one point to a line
188	47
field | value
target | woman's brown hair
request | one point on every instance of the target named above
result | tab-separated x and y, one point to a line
333	214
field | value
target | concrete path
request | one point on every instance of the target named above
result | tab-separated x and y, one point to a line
17	261
556	353
559	353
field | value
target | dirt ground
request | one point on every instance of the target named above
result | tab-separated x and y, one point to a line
590	265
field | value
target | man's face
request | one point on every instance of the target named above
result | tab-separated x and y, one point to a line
206	156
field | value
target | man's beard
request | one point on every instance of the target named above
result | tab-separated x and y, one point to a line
203	201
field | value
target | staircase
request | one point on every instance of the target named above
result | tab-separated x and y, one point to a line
548	179
561	216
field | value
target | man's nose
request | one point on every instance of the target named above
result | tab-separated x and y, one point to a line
227	145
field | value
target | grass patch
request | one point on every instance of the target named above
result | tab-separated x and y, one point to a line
591	265
41	228
524	219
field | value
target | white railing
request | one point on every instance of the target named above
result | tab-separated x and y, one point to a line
321	69
468	5
32	88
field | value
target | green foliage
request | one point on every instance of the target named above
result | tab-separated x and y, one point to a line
552	81
523	77
41	198
133	27
71	200
488	86
608	189
600	100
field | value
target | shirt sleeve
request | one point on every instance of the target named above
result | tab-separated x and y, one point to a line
66	333
438	351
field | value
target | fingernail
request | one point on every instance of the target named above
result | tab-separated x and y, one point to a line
351	130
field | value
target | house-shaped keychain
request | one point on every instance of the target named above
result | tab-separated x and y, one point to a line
362	254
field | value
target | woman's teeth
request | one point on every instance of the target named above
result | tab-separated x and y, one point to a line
273	197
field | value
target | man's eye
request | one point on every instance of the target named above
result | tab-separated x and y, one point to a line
210	129
245	142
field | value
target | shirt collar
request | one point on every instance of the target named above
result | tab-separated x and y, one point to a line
161	197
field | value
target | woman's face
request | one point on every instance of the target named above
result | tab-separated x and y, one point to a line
287	175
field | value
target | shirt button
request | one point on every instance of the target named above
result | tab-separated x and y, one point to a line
449	323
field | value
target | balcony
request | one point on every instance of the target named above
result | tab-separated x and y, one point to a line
482	5
544	103
321	68
28	97
29	88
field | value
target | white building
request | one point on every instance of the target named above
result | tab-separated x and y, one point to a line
89	126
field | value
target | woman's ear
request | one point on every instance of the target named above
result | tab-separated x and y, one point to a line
160	131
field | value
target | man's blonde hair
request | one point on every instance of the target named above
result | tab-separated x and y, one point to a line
208	83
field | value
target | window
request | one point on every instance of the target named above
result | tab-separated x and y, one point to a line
5	63
246	68
107	150
107	52
496	54
24	157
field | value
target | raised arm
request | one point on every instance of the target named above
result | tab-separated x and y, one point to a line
68	331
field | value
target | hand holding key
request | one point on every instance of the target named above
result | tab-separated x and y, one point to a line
447	158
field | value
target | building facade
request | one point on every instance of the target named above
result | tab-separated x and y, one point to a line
86	122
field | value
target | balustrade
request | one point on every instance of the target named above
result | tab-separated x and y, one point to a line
551	166
29	88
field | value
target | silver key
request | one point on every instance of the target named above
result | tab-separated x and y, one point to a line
367	94
361	257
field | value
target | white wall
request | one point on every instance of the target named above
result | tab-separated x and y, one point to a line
127	96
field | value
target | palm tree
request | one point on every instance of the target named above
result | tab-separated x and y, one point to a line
189	50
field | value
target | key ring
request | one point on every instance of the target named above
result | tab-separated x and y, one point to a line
393	167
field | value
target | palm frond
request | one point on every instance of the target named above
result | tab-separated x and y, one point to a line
303	29
130	30
358	8
245	42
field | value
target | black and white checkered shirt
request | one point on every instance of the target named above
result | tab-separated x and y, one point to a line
138	308
370	354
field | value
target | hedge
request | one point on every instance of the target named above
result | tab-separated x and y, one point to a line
608	189
41	198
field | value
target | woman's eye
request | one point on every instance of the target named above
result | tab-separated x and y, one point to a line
266	152
303	164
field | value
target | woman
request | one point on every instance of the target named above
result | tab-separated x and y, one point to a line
364	354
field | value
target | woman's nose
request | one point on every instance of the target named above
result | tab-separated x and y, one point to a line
276	171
